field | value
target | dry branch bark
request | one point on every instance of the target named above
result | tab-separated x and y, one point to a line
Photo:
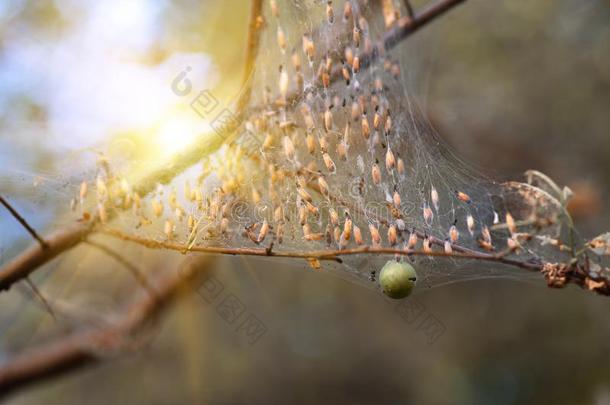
58	242
89	346
558	275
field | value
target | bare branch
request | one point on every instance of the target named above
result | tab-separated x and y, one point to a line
328	254
252	46
23	222
58	242
88	347
558	275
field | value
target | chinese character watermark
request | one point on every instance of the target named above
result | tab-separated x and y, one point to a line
207	106
414	313
232	310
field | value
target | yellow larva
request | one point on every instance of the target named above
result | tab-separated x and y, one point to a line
396	199
274	10
470	224
334	217
281	39
296	61
157	207
349	56
303	214
311	143
412	241
347	228
376	174
356	36
288	148
328	119
101	210
390	160
510	223
309	48
454	234
392	235
356	64
263	232
168	229
330	14
358	236
426	245
323	143
400	166
375	237
347	10
428	215
346	74
268	142
330	165
190	223
283	83
304	194
83	191
364	124
324	189
434	197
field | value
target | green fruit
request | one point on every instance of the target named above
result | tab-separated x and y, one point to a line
397	279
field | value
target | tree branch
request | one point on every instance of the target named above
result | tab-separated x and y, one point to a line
88	347
23	222
58	242
557	275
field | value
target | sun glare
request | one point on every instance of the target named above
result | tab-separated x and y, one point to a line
177	133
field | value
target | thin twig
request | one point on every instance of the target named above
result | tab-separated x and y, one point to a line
30	259
409	7
328	254
574	273
133	270
252	47
24	223
91	346
41	298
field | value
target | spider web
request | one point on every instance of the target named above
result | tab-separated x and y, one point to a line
315	154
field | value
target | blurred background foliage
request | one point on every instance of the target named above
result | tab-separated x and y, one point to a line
510	85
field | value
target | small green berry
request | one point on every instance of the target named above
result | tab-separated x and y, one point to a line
397	279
